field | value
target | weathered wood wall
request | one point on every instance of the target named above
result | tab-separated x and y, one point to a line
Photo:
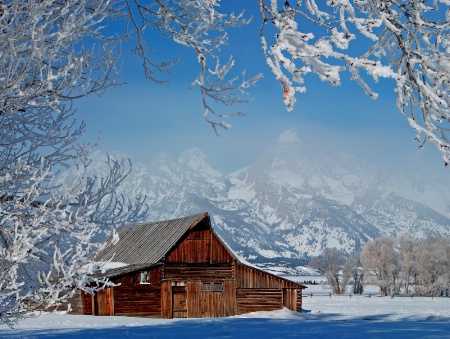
252	300
176	288
205	304
181	271
290	298
299	300
248	277
86	301
135	299
200	245
129	298
166	299
104	302
138	301
134	278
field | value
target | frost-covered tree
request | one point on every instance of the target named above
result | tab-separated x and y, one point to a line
406	246
406	41
432	266
408	265
51	53
332	263
380	265
354	267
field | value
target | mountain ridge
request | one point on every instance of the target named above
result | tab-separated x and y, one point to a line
289	205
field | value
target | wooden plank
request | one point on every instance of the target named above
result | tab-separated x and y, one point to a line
252	300
248	277
208	271
134	300
179	306
166	299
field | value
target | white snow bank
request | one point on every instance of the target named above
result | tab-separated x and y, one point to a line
338	316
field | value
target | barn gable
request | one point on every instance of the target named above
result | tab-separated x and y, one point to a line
147	243
188	271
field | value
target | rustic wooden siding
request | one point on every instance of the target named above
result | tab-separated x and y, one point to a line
141	301
86	301
252	300
181	272
166	299
135	299
299	300
219	253
104	302
134	278
290	298
205	304
248	277
200	245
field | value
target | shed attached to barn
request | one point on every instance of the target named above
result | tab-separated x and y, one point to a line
181	268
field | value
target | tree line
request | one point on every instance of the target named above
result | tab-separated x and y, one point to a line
402	266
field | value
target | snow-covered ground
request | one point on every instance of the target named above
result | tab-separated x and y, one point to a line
323	317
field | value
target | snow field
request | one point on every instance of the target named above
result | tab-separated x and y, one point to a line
323	317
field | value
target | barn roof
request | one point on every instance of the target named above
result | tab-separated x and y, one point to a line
144	245
147	243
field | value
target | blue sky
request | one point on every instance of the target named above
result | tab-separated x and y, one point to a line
142	119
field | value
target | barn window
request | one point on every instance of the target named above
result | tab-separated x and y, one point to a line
145	277
212	287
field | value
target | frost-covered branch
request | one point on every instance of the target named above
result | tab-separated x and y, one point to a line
52	53
200	26
407	41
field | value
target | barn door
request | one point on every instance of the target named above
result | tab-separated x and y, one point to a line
104	302
179	305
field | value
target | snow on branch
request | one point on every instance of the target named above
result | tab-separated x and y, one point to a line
198	24
408	42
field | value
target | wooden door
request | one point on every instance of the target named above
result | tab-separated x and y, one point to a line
179	305
104	302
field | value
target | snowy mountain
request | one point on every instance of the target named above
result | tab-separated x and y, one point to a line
290	204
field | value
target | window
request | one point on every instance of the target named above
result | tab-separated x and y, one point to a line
145	277
209	287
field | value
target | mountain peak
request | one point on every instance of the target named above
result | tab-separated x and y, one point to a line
289	136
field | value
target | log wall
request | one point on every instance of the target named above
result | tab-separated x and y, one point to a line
299	300
181	272
138	301
290	298
134	278
253	300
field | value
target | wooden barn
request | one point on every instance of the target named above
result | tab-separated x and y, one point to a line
181	269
